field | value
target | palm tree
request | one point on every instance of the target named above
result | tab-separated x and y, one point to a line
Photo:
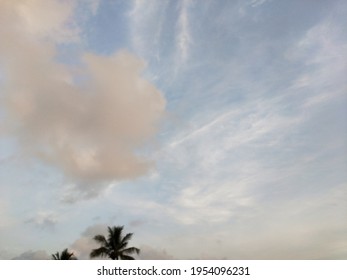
114	246
65	255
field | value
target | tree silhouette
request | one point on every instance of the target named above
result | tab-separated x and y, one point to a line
64	255
114	246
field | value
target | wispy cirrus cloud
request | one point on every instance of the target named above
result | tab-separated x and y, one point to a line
183	35
160	32
322	51
262	141
147	27
255	3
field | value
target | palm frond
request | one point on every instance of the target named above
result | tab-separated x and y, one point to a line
64	255
131	250
126	257
100	239
56	256
114	245
127	237
114	235
99	252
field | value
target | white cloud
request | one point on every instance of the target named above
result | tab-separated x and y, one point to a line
146	22
211	203
183	35
44	220
256	3
154	38
323	51
298	228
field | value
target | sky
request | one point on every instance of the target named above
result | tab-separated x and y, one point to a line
209	129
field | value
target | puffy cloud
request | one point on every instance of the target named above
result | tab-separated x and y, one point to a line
47	19
91	127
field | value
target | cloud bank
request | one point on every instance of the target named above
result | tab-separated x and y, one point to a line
90	125
33	255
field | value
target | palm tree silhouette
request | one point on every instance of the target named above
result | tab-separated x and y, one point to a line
114	246
65	255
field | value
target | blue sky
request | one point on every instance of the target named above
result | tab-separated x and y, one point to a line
210	129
